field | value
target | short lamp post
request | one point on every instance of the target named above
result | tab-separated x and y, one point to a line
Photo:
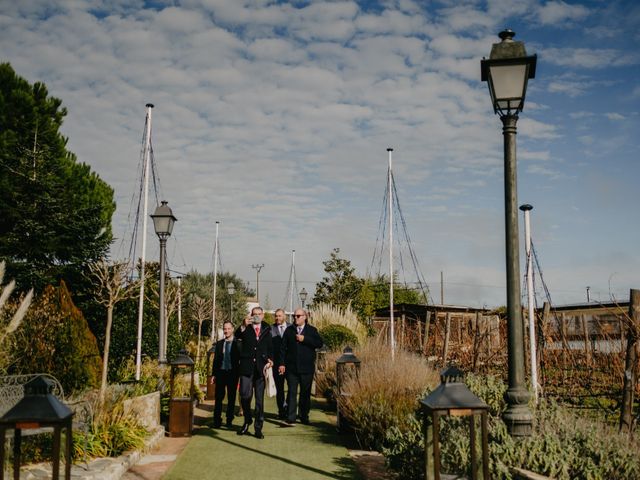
210	378
507	71
231	290
163	221
181	406
38	408
303	296
453	398
347	366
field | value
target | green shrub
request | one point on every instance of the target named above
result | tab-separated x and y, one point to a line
337	336
563	445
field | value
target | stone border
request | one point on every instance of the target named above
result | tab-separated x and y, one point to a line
99	468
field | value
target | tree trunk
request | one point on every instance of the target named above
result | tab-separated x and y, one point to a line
105	355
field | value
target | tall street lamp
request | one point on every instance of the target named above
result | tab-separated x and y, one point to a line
507	71
303	296
163	221
231	289
257	268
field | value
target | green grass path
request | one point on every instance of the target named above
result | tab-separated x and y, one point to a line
302	452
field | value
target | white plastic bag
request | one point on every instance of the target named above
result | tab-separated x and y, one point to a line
269	382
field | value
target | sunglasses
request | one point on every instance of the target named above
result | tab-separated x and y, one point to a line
298	316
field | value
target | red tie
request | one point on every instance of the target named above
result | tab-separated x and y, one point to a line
258	332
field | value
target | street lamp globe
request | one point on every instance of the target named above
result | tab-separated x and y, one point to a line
507	72
163	220
303	296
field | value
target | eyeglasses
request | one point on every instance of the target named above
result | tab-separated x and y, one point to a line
298	316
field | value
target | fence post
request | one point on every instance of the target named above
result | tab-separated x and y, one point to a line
425	339
447	328
585	333
630	373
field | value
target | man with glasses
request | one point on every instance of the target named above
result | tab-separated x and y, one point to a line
297	360
277	332
256	353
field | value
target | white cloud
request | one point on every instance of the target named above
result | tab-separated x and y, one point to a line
557	12
614	116
589	58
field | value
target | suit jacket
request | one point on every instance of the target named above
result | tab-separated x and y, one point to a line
218	356
300	357
277	343
254	353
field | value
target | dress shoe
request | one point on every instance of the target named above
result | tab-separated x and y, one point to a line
290	423
259	434
229	423
244	429
217	423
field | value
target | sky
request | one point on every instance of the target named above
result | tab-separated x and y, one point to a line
274	118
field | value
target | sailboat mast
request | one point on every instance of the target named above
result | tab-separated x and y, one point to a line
390	206
215	286
292	281
146	161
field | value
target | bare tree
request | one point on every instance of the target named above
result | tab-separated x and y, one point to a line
201	310
111	285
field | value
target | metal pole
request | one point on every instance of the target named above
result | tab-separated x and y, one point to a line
215	286
588	296
146	157
179	303
517	416
441	287
162	340
258	267
390	206
532	316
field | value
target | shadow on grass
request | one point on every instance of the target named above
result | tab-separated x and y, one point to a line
348	470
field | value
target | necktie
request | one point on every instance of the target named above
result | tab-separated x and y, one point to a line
300	330
258	331
227	356
281	329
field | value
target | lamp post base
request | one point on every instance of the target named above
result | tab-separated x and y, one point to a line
517	416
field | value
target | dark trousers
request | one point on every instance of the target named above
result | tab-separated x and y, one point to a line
280	397
303	380
250	385
226	382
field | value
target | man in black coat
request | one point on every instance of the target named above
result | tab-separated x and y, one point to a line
256	353
226	362
298	361
277	332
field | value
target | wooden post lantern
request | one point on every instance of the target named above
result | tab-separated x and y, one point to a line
39	408
181	406
347	365
453	398
211	386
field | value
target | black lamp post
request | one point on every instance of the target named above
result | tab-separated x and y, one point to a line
38	408
163	221
303	296
231	290
507	71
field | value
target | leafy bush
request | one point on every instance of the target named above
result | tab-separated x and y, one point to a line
323	315
56	339
385	392
337	336
563	445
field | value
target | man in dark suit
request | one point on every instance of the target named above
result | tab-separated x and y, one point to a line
298	361
226	361
277	332
256	353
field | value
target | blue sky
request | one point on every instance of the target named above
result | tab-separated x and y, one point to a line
274	118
